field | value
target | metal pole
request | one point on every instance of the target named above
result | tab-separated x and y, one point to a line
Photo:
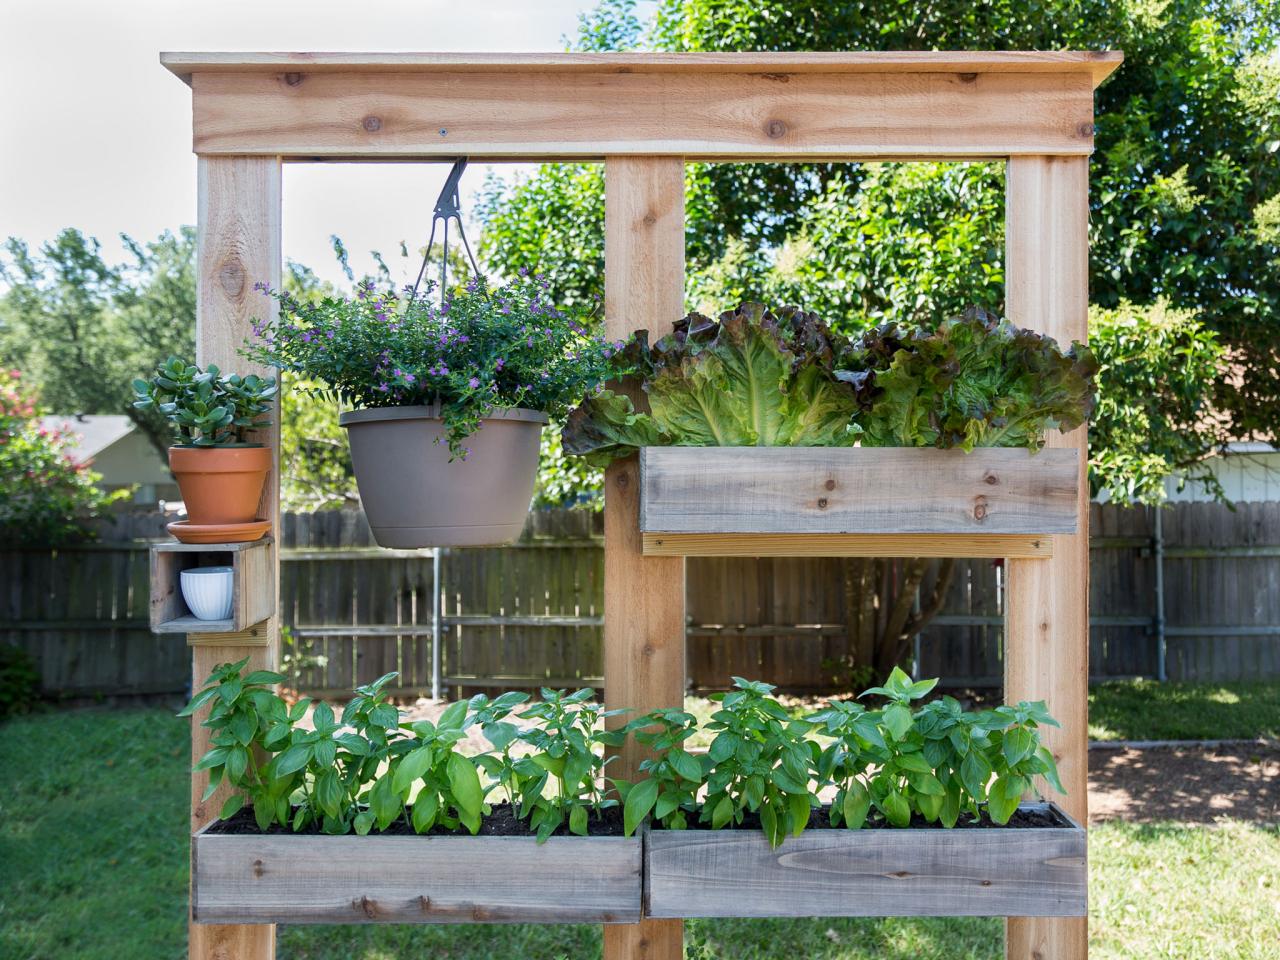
435	624
1161	647
915	640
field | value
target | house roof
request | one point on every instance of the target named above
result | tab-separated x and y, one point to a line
93	433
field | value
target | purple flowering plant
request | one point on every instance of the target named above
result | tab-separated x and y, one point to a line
485	348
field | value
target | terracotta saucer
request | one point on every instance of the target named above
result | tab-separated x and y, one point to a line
188	532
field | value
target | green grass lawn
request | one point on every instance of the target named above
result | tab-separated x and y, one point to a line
1146	710
93	865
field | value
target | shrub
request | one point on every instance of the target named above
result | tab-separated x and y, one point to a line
46	498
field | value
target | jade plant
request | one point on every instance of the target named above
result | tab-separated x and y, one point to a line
206	407
895	764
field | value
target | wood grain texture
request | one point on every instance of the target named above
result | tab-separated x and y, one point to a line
238	237
846	545
253	585
549	114
886	490
644	639
447	879
1047	610
855	873
1097	63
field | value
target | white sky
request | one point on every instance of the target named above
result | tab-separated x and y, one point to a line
95	134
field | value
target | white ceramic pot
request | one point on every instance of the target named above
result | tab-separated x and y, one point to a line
207	591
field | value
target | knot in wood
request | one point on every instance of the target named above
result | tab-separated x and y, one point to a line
424	904
623	480
293	79
372	124
830	484
1086	129
980	508
369	908
990	479
257	868
775	129
822	503
650	219
231	279
967	77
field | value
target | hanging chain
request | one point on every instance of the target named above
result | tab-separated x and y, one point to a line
448	207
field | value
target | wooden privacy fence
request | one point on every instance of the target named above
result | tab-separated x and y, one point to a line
530	613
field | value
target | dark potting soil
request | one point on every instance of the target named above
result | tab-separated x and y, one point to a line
500	823
820	819
503	823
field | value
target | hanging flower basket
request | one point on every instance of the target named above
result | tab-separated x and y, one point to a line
415	493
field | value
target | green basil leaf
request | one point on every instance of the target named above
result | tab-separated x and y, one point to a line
640	800
464	784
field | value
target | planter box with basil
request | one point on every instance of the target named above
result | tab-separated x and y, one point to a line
449	398
1011	871
271	878
220	473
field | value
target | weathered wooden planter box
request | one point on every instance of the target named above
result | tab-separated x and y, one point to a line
854	501
264	878
996	872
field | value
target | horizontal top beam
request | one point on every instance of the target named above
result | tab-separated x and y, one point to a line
1097	64
792	106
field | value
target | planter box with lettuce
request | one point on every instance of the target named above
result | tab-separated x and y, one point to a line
758	379
448	399
220	472
898	807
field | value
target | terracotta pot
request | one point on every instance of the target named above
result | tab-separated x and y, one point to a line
220	484
415	497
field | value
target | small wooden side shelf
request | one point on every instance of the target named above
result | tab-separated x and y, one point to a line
912	872
269	878
253	597
855	501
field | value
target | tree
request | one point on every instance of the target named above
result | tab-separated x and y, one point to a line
83	329
47	498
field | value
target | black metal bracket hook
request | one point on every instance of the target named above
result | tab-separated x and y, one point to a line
448	207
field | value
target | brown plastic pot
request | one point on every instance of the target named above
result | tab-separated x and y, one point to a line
415	497
220	484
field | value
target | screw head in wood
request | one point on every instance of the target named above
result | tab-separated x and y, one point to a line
372	124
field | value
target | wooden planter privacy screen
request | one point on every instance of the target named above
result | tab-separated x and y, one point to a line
925	872
281	878
645	116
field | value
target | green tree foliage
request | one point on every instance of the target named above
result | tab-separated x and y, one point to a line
1185	192
83	329
46	498
1153	417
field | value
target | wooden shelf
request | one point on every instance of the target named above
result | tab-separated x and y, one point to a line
853	501
253	595
933	872
266	878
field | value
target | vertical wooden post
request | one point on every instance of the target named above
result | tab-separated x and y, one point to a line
1047	620
644	658
238	233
